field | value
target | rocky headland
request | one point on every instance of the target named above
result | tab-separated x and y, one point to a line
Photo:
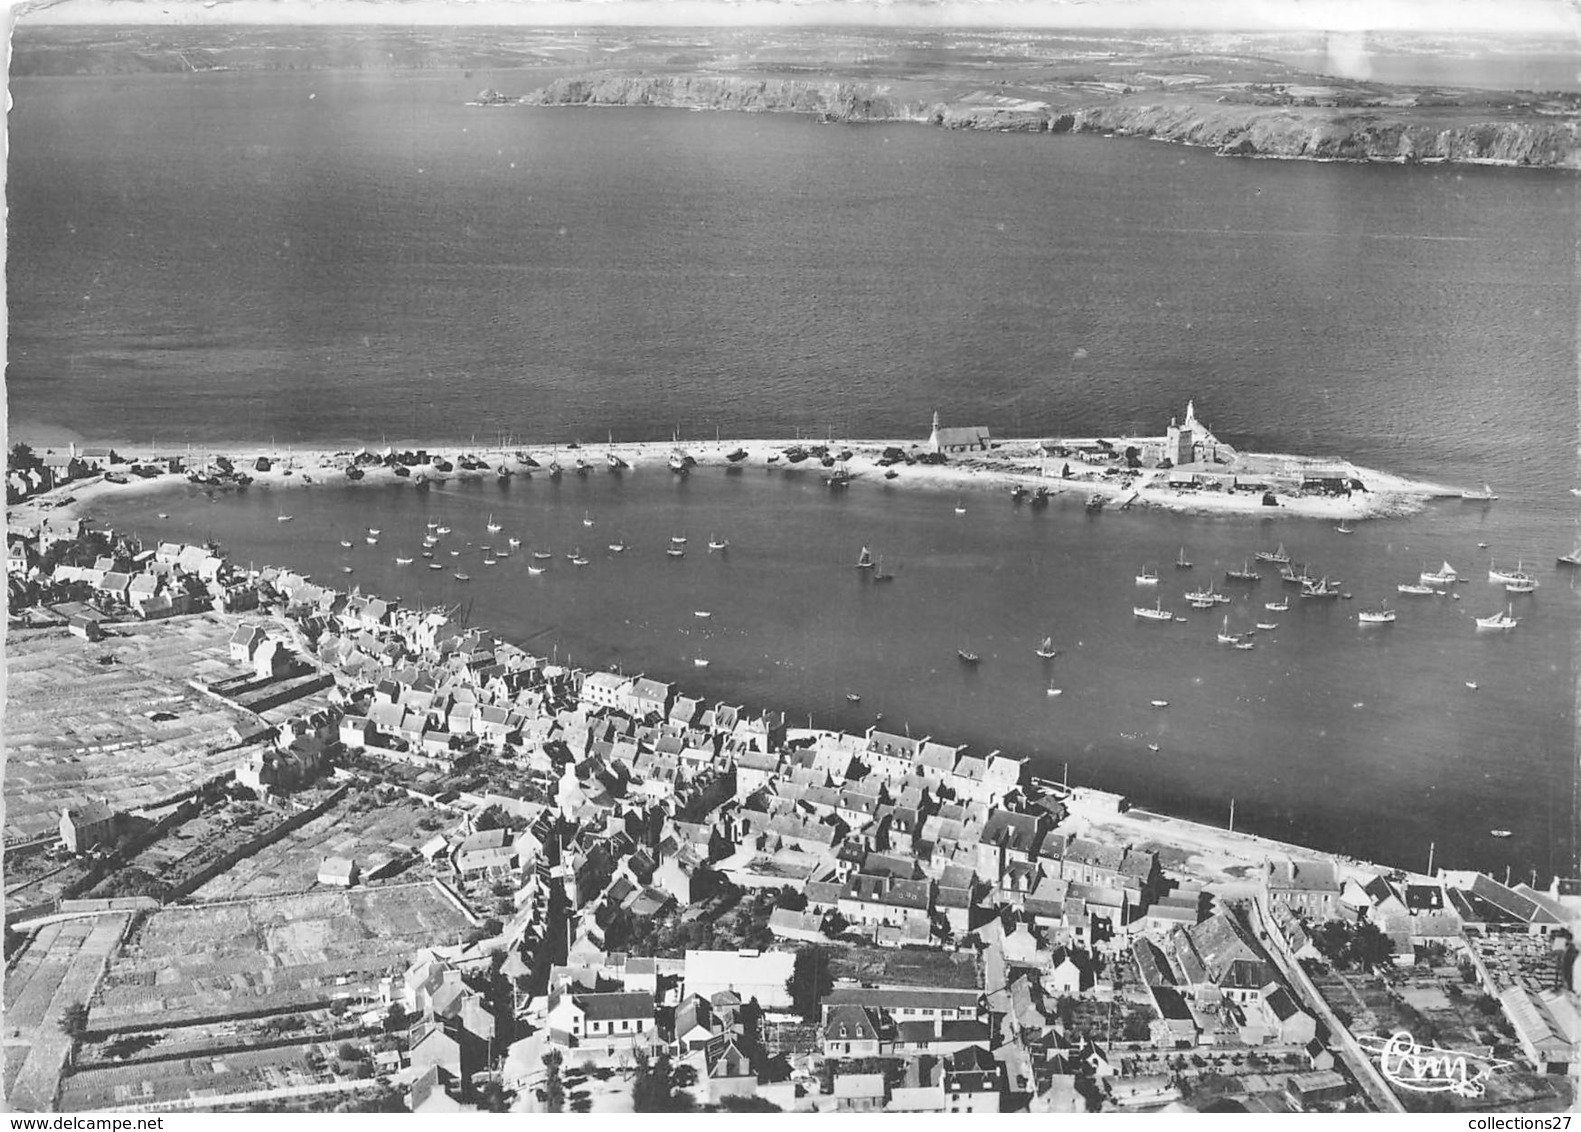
1268	123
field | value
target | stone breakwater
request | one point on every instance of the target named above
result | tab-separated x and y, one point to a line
1305	133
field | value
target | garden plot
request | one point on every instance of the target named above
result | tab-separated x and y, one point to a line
355	828
269	954
77	729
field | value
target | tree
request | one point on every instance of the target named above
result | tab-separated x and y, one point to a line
810	980
748	1104
791	900
1369	947
74	1020
554	1090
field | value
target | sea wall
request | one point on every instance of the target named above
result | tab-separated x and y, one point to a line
1306	133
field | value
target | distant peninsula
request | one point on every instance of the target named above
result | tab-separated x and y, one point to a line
1309	119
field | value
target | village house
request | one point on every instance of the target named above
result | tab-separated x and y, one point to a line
973	1081
337	872
91	826
1311	889
610	1019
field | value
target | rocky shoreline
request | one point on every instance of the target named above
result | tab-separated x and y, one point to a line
1312	133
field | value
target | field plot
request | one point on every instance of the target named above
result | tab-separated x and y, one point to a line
38	874
1451	1013
269	954
350	828
198	1078
60	966
77	730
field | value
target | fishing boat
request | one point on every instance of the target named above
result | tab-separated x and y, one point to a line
1267	626
432	523
1181	620
616	464
1378	616
675	552
554	469
1244	646
1279	606
1345	528
582	466
1157	613
428	554
700	662
1571	559
1483	496
677	540
399	561
1095	501
1445	575
515	542
345	569
372	541
282	518
430	540
1500	833
1017	493
163	515
460	577
1204	595
492	526
1322	589
535	570
1153	747
1501	620
679	461
346	543
1160	703
1148	576
578	560
618	546
1056	691
960	507
1518	574
1472	684
1225	636
737	456
375	531
852	698
587	520
1414	588
717	543
703	613
442	530
864	561
773	458
1278	556
541	554
490	561
878	573
967	657
837	479
891	473
1181	561
1292	577
1244	574
455	554
1529	586
436	566
1046	649
1040	497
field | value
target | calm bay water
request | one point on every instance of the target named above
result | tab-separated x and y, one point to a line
218	258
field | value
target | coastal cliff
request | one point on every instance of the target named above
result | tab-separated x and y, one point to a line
1232	129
